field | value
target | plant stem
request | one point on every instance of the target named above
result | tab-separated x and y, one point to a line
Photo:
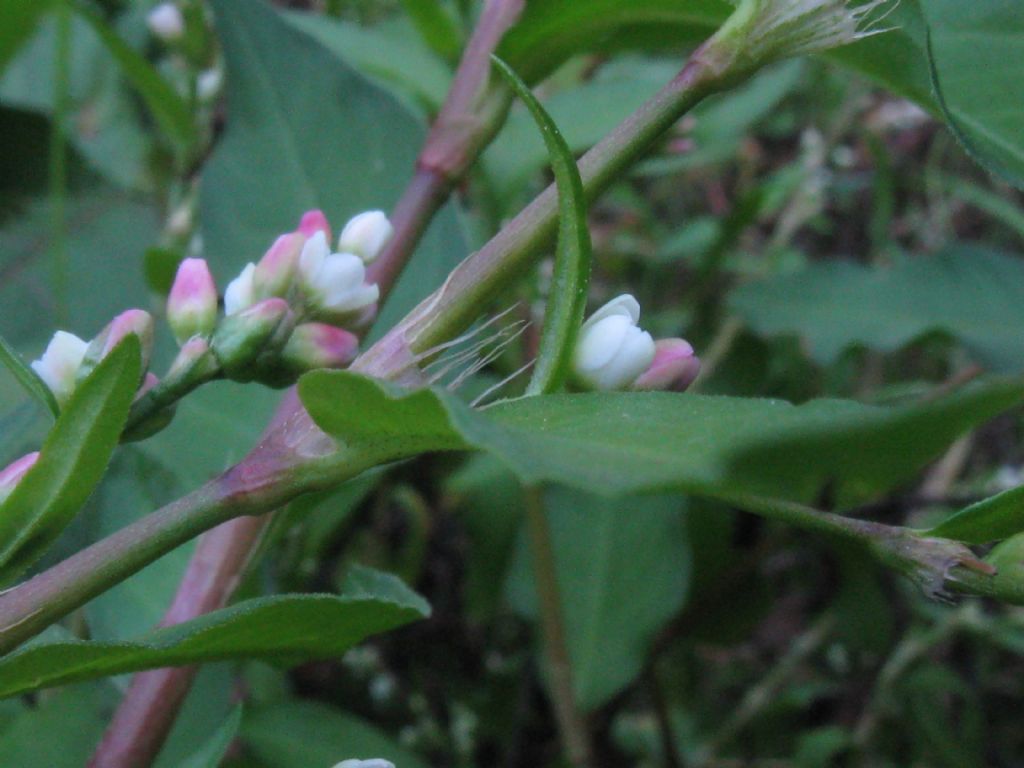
59	161
149	708
571	724
470	117
473	283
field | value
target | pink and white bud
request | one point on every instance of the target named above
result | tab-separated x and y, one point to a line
674	367
365	235
194	359
241	292
334	283
166	22
314	221
275	272
11	475
58	367
136	322
612	351
149	381
375	762
318	345
192	303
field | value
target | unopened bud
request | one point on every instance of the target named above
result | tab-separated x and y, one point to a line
208	84
11	475
275	272
58	367
166	22
366	235
192	303
243	339
149	381
195	360
318	345
314	221
612	351
674	367
240	293
375	762
134	322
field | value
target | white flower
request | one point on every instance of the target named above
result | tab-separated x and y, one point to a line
208	83
240	293
375	762
612	351
334	282
166	22
366	235
58	367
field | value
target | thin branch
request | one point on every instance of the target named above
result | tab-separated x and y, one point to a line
571	724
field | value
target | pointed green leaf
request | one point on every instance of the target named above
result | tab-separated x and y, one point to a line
72	460
616	443
27	377
304	627
568	298
992	519
976	52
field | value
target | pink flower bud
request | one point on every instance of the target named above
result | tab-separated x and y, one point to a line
195	359
314	221
136	322
318	345
276	270
192	303
674	368
11	475
149	381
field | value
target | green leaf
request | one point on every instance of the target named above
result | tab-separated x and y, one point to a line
212	752
623	571
973	293
976	51
992	519
72	461
568	297
436	26
322	136
618	443
390	53
27	377
302	734
304	627
76	714
170	111
20	19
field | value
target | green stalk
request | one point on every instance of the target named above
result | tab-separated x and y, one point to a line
58	161
571	724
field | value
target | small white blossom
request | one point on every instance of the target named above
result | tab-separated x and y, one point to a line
166	22
612	351
58	367
365	235
334	282
240	293
375	762
208	83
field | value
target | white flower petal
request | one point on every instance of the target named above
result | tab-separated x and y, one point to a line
240	293
624	305
311	260
58	367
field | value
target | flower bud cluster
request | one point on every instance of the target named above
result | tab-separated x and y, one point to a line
614	353
290	312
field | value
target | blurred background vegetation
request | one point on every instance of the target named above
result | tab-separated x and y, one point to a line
812	233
